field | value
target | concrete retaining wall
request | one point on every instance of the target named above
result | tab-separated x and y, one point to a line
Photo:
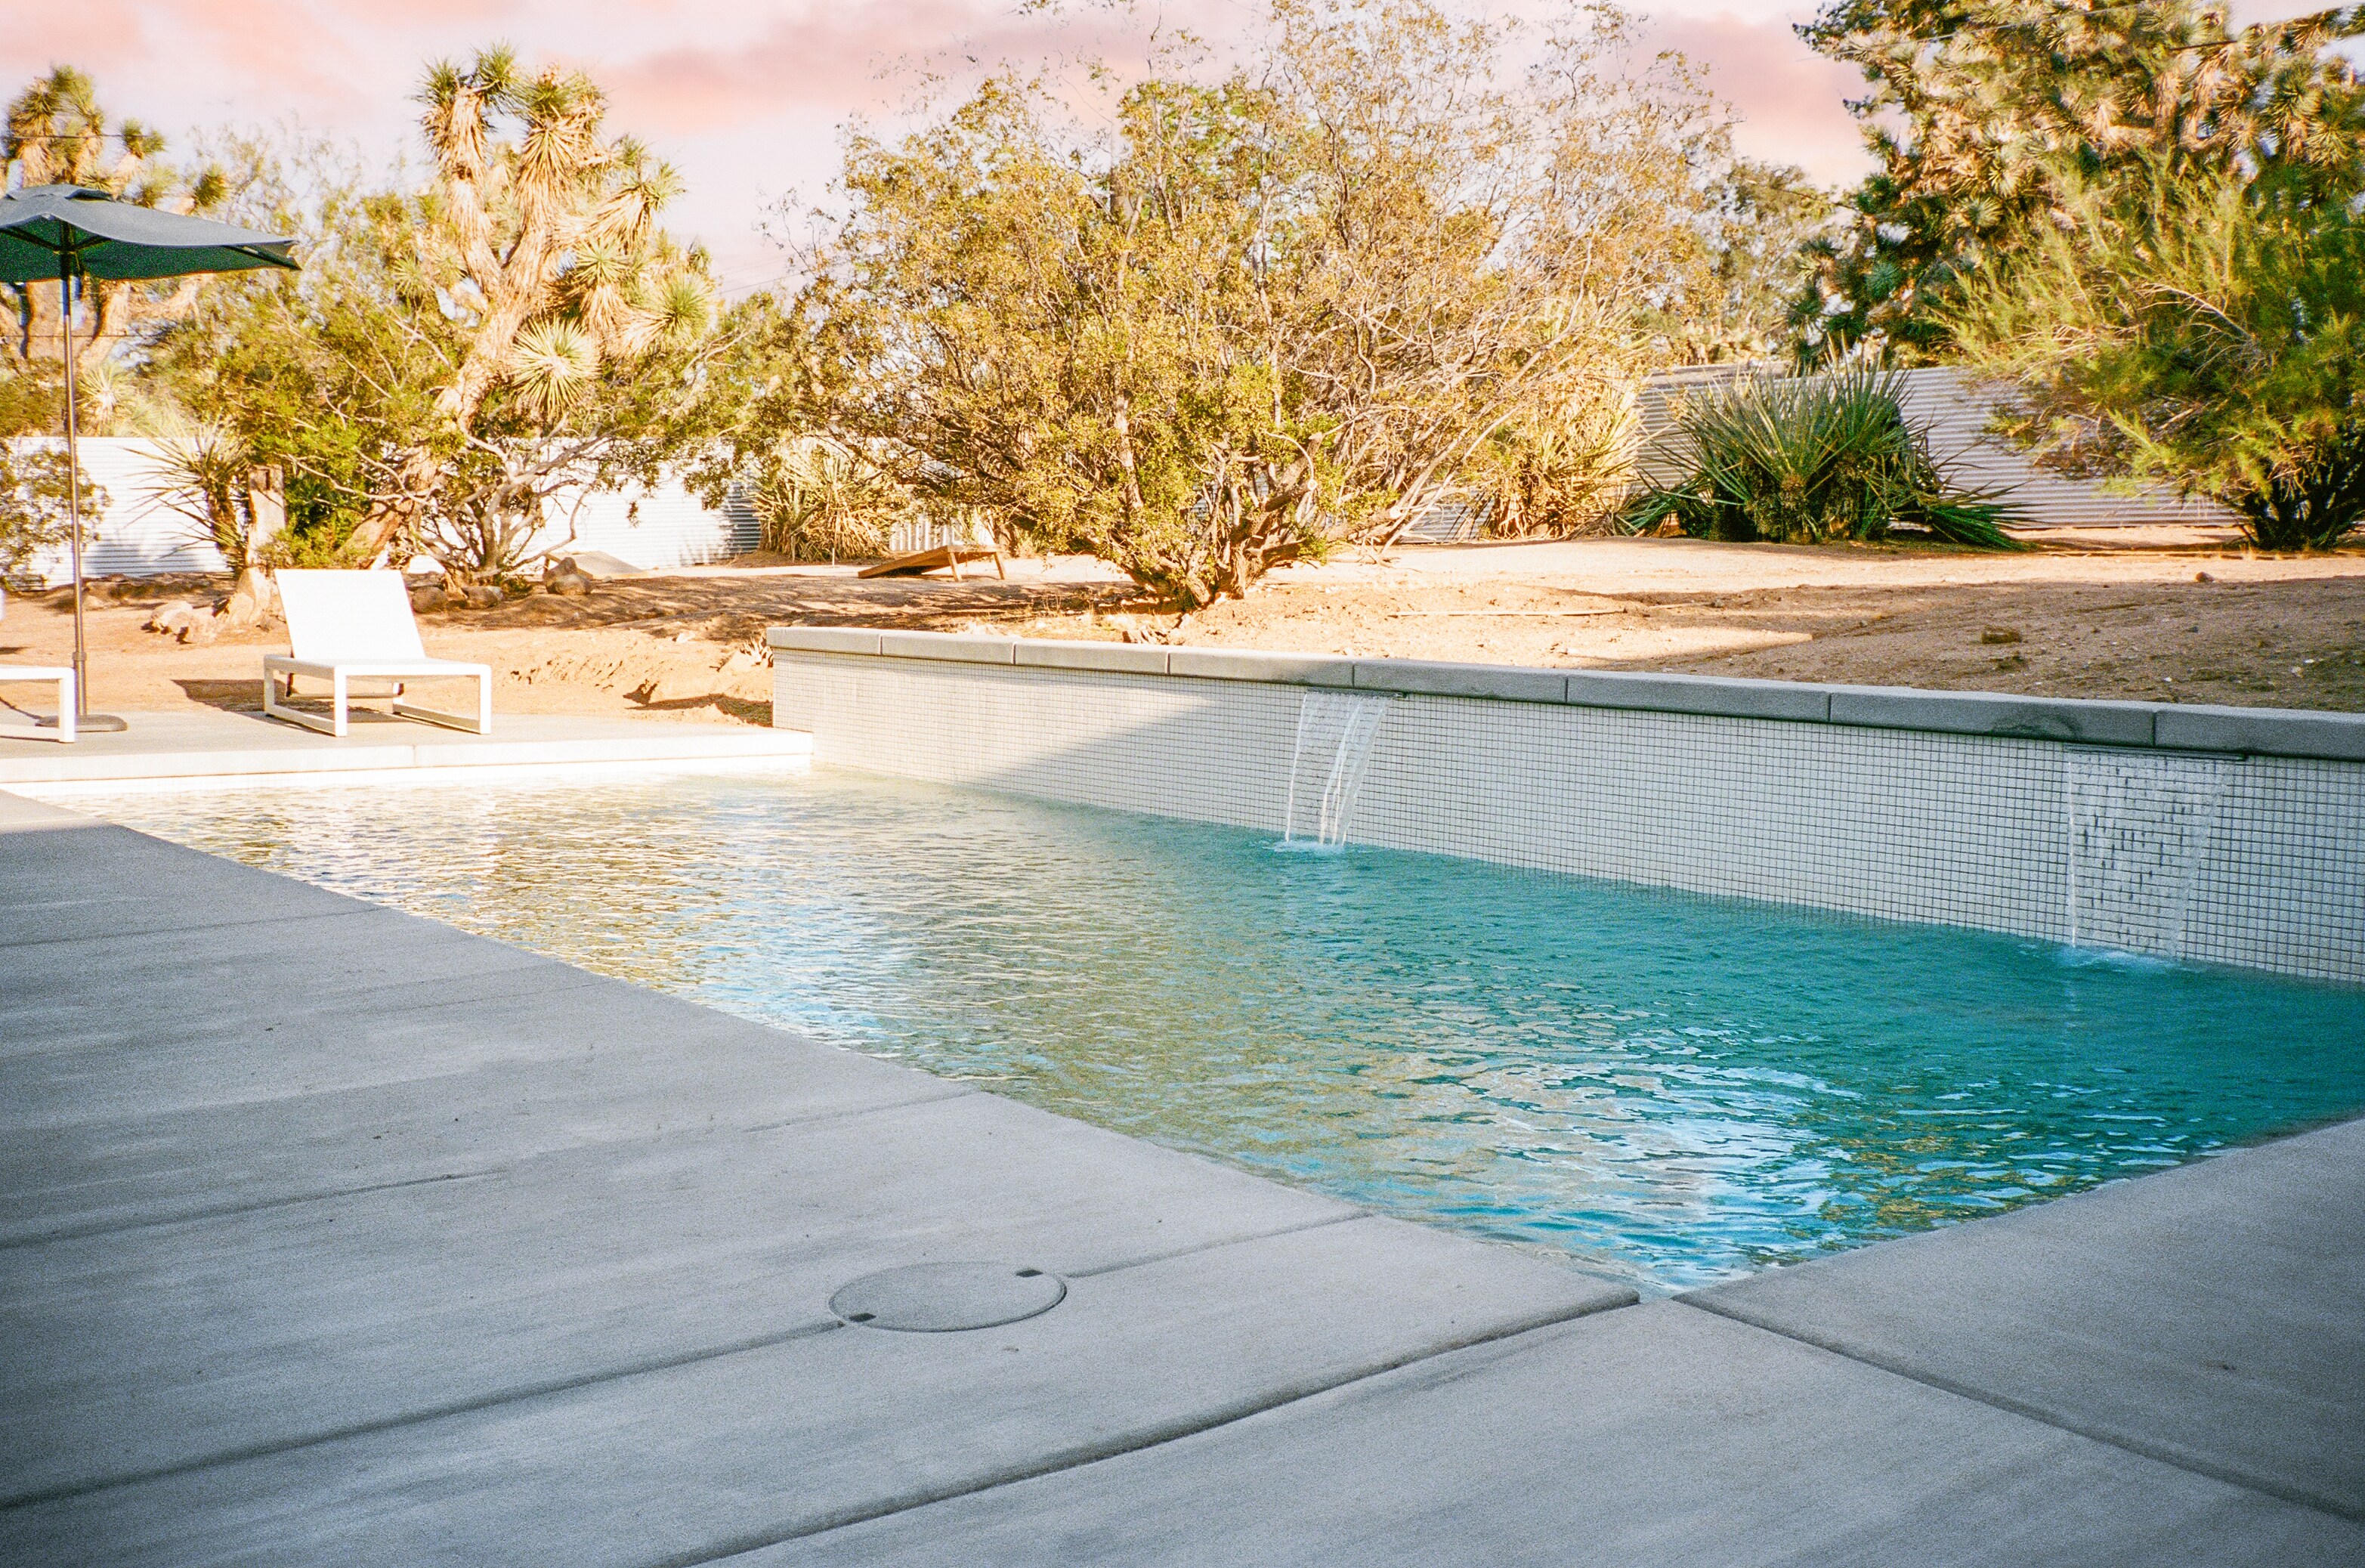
2215	835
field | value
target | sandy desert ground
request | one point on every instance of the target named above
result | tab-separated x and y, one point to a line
2152	614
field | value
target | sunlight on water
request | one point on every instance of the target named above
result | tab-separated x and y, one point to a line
1669	1089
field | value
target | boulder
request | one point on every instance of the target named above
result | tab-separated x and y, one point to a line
256	584
239	609
428	596
201	630
569	585
481	596
171	616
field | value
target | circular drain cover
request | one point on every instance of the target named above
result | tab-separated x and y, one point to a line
937	1298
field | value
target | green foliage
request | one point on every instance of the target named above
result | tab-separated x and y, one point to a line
34	511
1988	115
2202	331
1286	306
457	351
823	500
32	400
1812	459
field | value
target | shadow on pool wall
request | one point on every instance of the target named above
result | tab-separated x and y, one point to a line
2174	837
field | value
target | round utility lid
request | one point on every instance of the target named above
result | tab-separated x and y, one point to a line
939	1298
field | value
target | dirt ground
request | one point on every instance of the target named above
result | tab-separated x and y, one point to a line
2163	615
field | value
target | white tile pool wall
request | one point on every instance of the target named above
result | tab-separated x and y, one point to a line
2258	861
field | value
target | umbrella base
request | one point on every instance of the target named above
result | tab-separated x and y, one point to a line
96	724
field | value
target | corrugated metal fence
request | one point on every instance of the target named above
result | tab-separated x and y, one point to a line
1957	412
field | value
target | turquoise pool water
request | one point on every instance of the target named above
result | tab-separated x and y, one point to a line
1668	1089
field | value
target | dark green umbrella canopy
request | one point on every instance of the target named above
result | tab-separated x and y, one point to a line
68	231
97	236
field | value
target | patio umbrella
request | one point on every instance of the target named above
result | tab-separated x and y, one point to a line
71	232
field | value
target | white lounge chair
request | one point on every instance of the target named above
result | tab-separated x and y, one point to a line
348	626
60	675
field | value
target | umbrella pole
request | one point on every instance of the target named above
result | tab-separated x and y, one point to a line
83	718
74	482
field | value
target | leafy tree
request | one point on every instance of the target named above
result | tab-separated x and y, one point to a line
58	133
555	321
1263	311
2203	330
1987	115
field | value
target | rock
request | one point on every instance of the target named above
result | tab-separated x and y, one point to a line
239	609
569	585
171	616
201	630
481	596
1995	635
2203	578
428	596
256	584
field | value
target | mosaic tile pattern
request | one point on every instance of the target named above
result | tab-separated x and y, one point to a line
2257	862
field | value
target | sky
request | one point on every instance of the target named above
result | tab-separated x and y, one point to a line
746	97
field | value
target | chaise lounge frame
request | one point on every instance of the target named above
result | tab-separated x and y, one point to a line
349	626
60	675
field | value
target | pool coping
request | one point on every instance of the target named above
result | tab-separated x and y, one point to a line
2160	726
237	749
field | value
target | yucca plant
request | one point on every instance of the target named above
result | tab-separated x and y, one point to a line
820	500
1804	460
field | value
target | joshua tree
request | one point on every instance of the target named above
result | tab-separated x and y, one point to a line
534	264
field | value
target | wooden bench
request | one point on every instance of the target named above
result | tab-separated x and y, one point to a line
945	555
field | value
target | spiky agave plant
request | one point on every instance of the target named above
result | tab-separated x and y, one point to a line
1808	459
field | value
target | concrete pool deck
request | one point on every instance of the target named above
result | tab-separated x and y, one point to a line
329	1234
218	747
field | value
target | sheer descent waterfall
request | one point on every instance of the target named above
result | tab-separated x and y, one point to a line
1335	734
2138	826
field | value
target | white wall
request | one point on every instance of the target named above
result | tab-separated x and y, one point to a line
139	535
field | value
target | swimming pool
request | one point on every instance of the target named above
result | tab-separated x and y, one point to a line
1665	1088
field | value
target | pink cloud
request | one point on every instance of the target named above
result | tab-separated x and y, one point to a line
1791	101
744	95
838	57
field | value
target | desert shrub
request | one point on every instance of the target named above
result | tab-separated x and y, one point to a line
33	513
1810	459
1561	475
2206	332
824	501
